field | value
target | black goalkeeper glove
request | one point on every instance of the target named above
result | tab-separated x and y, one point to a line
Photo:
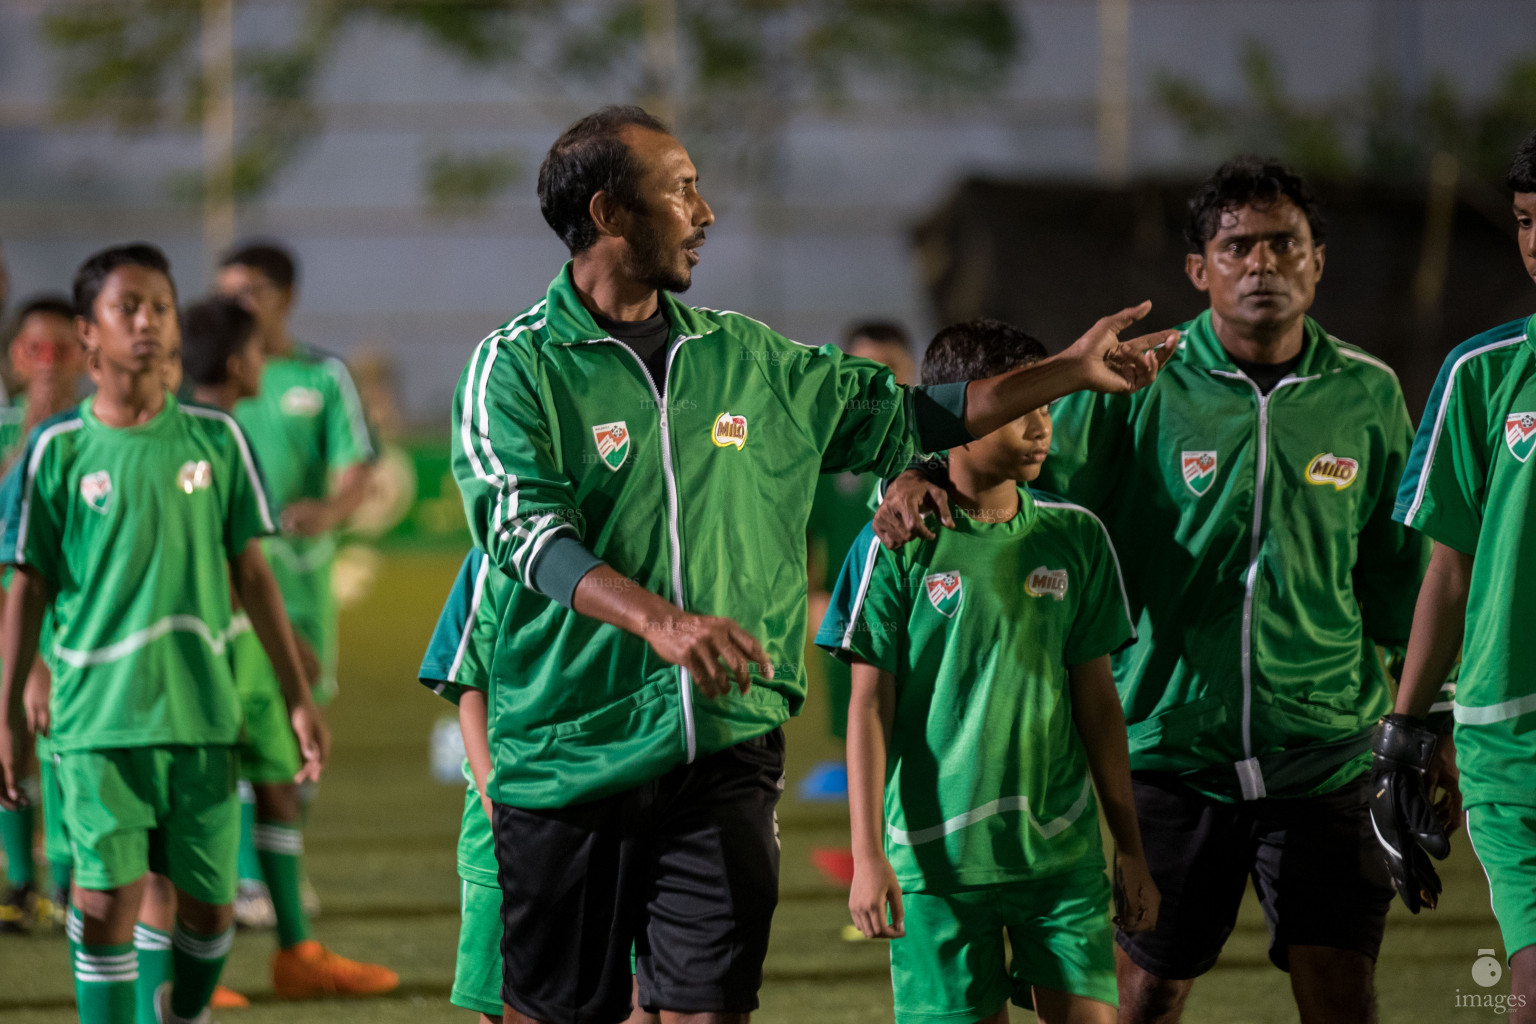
1401	811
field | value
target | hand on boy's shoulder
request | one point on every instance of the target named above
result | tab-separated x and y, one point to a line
910	498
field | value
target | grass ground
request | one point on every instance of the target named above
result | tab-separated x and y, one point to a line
381	853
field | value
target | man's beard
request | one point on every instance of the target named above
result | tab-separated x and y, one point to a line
647	261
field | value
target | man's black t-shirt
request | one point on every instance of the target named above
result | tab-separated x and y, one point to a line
647	337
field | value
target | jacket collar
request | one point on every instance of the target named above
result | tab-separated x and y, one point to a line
570	323
1202	349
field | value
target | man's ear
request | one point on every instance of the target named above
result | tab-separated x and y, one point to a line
1319	252
608	215
1194	269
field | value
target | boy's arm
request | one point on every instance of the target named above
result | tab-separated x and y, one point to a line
314	516
1410	761
473	716
263	603
24	608
870	710
1101	724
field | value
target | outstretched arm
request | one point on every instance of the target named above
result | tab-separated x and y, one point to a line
1098	361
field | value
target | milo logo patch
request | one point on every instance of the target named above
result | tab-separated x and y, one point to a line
1045	582
730	430
1332	469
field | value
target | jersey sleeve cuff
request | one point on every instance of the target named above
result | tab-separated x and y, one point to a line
560	567
939	414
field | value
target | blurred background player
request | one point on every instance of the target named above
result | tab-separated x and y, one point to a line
135	518
310	436
48	362
224	362
984	716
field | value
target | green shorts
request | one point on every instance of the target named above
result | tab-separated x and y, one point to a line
269	752
171	810
1504	838
953	965
477	971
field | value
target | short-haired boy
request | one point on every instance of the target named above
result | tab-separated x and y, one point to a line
983	717
223	362
1469	487
133	518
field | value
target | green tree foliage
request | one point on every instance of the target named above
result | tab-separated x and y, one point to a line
739	63
1378	132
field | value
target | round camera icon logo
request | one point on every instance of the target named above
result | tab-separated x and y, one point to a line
1486	969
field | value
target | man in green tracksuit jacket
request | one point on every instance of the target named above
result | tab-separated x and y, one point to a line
1249	493
645	471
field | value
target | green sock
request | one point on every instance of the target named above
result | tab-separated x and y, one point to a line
249	865
16	836
154	949
104	980
196	963
58	873
281	849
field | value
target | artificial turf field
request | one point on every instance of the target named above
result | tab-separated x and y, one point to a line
381	852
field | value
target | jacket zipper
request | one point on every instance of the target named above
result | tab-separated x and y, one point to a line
1249	777
684	683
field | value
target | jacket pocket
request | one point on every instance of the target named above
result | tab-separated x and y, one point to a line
611	718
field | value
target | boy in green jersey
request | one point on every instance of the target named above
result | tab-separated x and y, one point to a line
1469	488
307	428
983	717
129	509
457	667
223	361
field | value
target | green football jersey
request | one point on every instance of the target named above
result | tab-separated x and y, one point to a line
133	529
12	418
306	425
987	780
458	658
1469	486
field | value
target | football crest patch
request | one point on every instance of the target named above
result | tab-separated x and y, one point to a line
1520	434
944	592
1199	471
1045	582
1329	468
96	491
730	430
612	443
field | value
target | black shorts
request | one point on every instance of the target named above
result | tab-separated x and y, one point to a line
1315	865
683	869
